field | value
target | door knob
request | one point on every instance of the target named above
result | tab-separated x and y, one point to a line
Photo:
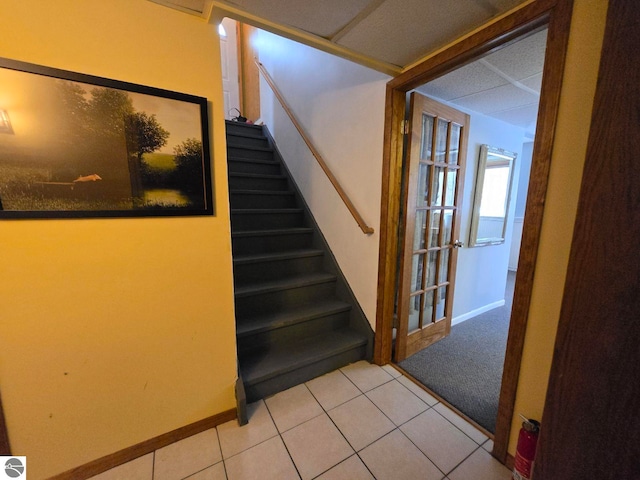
458	244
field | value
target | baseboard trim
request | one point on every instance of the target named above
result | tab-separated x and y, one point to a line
476	312
510	461
131	453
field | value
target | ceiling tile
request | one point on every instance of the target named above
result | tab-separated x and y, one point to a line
497	99
323	18
522	116
534	82
522	59
470	79
401	31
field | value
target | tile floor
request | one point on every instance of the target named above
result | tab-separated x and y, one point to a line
359	422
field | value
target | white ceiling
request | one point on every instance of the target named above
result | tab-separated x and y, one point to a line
394	34
505	84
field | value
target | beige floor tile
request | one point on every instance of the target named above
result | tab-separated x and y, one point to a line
293	407
267	461
481	466
316	446
397	402
366	375
141	469
420	392
391	371
488	445
475	434
234	438
332	389
351	469
188	456
215	472
361	422
394	457
439	439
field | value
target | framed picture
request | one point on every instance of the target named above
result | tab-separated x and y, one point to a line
74	145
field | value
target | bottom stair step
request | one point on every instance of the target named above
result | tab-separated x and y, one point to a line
268	371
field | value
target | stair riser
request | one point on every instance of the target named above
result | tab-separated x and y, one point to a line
265	221
247	142
244	129
239	152
270	243
258	200
293	333
252	167
258	183
274	301
265	271
282	382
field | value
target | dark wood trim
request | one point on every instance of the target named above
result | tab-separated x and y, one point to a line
510	461
528	19
5	448
557	40
131	453
389	224
590	425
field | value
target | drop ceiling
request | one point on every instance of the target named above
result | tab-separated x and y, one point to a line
391	35
504	85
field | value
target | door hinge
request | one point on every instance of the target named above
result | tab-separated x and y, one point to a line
396	323
405	127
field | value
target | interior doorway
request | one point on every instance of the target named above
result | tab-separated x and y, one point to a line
499	93
528	20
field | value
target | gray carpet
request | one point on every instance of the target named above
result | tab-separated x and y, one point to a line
465	368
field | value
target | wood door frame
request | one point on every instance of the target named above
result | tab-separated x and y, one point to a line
556	15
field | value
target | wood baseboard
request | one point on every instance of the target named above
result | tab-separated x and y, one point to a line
509	461
131	453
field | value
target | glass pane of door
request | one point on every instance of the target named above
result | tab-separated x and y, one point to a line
427	137
436	162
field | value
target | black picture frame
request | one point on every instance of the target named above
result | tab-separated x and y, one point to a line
81	146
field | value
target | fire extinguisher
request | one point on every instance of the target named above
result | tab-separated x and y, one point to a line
526	449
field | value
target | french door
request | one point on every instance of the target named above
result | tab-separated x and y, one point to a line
437	147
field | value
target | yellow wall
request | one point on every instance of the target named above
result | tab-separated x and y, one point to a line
114	331
570	145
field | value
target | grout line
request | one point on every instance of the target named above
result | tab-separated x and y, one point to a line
282	439
427	456
463	460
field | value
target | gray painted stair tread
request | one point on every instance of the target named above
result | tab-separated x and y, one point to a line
244	125
267	257
239	134
275	231
262	323
257	175
248	211
249	147
262	192
285	283
233	158
261	366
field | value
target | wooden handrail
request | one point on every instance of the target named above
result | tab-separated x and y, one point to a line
347	201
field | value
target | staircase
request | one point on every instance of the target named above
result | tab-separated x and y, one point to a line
296	317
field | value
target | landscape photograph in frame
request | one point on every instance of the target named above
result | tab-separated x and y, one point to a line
74	145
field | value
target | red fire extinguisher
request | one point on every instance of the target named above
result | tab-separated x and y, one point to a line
526	449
